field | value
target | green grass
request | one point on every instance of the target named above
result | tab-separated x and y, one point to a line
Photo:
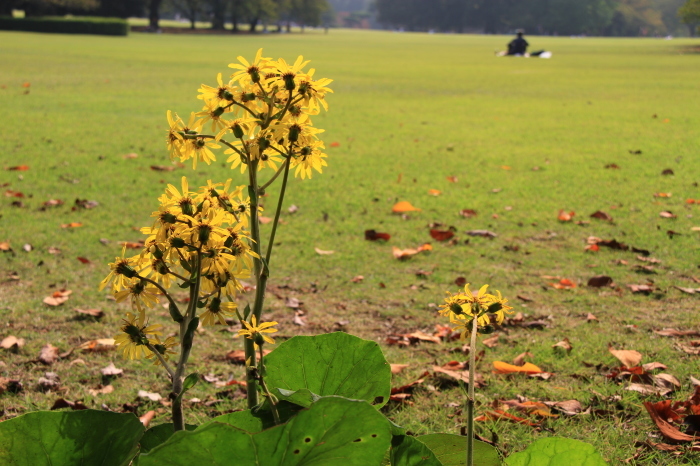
409	107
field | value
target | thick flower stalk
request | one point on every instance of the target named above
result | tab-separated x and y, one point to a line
474	314
261	117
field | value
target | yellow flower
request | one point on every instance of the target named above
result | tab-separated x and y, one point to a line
140	293
201	150
163	348
254	71
122	271
212	111
135	336
309	157
253	331
289	75
222	94
217	312
314	92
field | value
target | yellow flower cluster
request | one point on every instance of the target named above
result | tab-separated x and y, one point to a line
267	107
192	232
463	307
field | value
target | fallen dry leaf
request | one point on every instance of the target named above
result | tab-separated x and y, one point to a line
672	332
600	281
482	233
564	284
149	395
101	390
147	418
441	235
599	214
404	206
131	155
468	213
357	279
162	168
454	370
12	343
661	413
505	368
74	405
590	318
20	168
491	342
452	179
569	407
373	235
405	253
71	225
645	289
322	252
520	359
111	370
434	192
48	354
398	368
58	298
502	415
667	214
264	220
84	260
96	313
98	345
565	345
565	216
628	358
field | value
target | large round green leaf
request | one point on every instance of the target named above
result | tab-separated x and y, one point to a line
409	451
451	450
257	421
557	451
157	435
331	364
86	437
332	431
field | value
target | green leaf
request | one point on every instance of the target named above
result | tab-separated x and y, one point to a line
409	451
331	364
557	451
159	434
451	450
303	397
333	430
257	421
69	438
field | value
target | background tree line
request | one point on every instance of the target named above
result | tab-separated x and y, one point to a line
281	13
564	17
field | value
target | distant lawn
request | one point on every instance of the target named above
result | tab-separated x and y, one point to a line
524	138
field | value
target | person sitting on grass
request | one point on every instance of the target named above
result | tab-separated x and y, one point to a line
518	46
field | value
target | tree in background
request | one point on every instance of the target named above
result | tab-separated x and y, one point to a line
190	9
690	15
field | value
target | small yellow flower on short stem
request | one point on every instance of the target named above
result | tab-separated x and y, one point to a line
254	331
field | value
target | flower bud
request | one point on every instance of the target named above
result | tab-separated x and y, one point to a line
204	231
495	307
167	217
157	253
161	267
125	269
305	151
289	83
237	130
215	305
249	96
456	309
487	329
259	340
218	111
294	131
228	96
187	207
263	143
303	87
177	242
254	75
200	143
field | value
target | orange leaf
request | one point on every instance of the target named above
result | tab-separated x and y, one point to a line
499	414
592	248
11	193
404	206
27	84
404	253
565	217
468	213
374	235
655	411
396	368
505	167
434	192
20	168
505	368
71	225
84	260
335	144
452	179
564	284
131	245
628	358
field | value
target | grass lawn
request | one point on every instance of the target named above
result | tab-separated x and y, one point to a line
523	137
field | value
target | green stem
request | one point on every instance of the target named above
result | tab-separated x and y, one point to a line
252	387
273	406
277	213
470	396
162	360
162	290
272	180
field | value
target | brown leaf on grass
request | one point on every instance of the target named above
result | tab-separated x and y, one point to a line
321	252
53	203
452	179
405	253
50	381
672	332
84	260
520	359
238	356
434	192
422	336
645	289
536	408
600	215
565	345
460	281
5	246
652	366
687	290
590	318
468	213
264	220
505	368
398	368
130	155
71	225
357	279
661	413
147	418
667	214
57	298
403	207
373	235
101	390
491	342
569	407
565	216
111	370
11	193
162	168
299	319
628	358
482	233
564	284
454	371
667	381
613	166
441	235
96	313
143	394
663	195
62	403
98	345
408	388
18	168
53	250
524	298
498	414
12	343
651	260
48	354
600	281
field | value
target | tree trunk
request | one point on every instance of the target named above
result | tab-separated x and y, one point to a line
192	21
153	14
289	26
218	11
254	24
